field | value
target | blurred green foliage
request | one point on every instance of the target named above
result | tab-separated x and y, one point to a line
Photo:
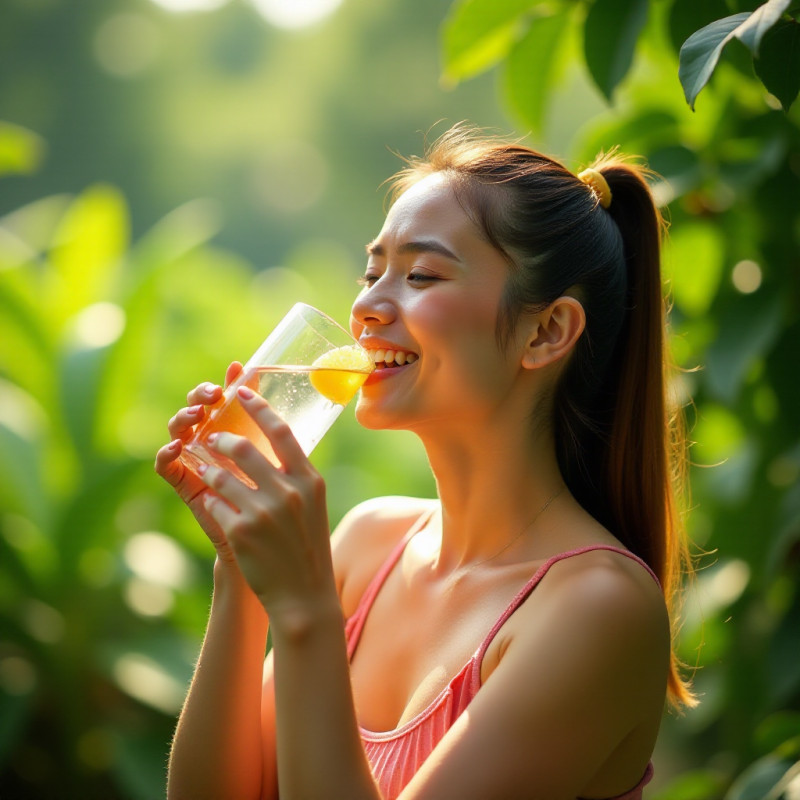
115	301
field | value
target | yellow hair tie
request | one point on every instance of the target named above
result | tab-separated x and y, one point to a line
598	184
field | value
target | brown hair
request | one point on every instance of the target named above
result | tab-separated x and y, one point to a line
619	445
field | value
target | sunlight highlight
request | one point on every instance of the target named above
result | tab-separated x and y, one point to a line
98	325
294	14
145	680
156	559
182	6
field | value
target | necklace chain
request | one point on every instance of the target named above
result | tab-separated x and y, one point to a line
510	542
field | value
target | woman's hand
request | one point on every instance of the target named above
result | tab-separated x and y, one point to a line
278	531
187	483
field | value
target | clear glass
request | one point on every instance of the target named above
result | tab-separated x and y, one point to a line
307	369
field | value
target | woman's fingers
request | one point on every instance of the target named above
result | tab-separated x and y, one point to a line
229	488
232	373
204	394
219	510
244	454
277	430
181	426
167	464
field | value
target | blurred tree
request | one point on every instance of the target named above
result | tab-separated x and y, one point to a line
591	75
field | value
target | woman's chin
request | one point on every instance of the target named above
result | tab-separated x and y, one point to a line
375	419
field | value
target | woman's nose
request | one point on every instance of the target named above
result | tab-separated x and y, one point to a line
372	307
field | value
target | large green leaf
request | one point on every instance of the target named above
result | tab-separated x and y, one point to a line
701	51
759	22
611	33
778	64
530	67
88	246
478	33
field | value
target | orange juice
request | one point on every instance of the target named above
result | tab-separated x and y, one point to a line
308	397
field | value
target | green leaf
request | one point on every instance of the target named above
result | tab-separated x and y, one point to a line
693	260
479	33
530	67
610	35
88	246
688	16
748	328
695	785
21	485
21	150
759	22
34	224
701	51
758	779
778	65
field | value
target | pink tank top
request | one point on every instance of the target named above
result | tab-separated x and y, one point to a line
396	755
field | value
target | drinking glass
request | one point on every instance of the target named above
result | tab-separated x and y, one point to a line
307	369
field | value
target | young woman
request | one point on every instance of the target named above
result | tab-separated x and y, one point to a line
510	639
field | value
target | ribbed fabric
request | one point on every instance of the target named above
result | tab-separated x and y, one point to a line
396	755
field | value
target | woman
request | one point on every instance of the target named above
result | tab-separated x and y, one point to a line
510	639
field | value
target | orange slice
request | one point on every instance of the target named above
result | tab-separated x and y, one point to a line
339	374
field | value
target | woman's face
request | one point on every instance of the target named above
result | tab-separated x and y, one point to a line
432	290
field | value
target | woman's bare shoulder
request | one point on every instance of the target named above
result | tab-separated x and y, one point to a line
365	537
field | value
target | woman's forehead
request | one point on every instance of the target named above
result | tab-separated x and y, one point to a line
429	206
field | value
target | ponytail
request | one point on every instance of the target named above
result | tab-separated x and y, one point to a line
645	471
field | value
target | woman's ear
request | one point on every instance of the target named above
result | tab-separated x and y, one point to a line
553	332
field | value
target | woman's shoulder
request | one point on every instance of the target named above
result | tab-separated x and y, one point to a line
604	599
365	538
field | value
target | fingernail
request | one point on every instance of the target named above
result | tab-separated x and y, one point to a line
209	388
194	410
174	444
246	393
212	437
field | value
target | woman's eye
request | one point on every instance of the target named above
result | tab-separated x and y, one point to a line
367	280
421	277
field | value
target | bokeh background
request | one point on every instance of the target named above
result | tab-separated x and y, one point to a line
175	174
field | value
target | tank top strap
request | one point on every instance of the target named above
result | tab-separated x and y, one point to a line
523	594
355	623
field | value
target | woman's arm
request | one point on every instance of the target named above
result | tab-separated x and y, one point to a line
217	751
220	748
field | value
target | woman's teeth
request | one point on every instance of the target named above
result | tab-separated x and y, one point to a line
392	358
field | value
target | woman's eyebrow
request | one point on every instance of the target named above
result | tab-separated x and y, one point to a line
416	246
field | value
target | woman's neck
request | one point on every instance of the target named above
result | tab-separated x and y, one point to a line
491	486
